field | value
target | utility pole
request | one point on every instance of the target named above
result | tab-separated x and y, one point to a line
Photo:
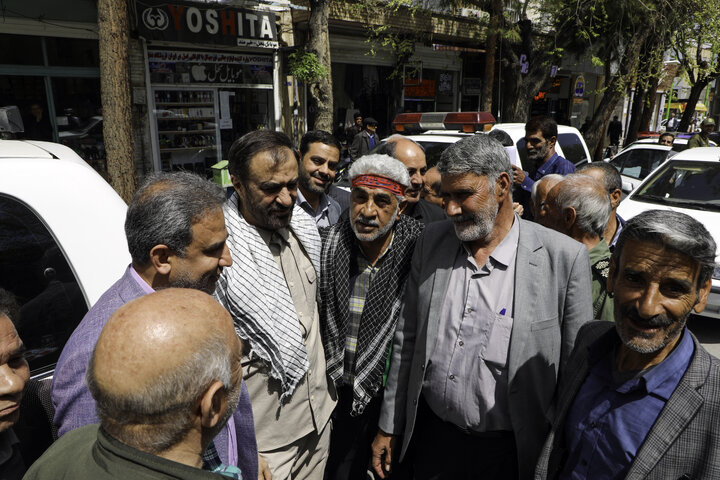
115	95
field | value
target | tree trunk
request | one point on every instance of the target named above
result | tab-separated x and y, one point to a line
321	94
650	98
695	92
490	52
595	134
115	95
635	114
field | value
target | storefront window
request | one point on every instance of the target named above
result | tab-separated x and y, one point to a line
26	50
73	52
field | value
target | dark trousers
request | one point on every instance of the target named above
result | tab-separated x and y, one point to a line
444	451
351	438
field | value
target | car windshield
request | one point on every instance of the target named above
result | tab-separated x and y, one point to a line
684	184
638	162
433	150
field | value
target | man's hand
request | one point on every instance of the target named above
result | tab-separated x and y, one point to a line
518	208
518	175
382	452
263	469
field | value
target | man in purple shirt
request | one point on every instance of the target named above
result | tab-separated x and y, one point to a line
176	235
641	396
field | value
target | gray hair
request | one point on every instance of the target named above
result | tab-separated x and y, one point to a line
478	154
611	177
165	208
673	230
159	416
550	176
592	205
383	165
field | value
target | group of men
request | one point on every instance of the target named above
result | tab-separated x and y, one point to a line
391	337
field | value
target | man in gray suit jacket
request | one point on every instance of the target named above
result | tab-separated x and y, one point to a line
641	397
490	314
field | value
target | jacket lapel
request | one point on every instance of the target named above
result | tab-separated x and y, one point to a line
528	278
438	283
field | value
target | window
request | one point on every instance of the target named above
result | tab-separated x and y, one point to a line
640	162
34	269
572	148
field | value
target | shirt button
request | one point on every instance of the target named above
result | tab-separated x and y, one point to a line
291	284
414	402
452	377
312	397
461	343
469	310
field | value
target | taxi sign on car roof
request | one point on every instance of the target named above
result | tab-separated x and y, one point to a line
468	122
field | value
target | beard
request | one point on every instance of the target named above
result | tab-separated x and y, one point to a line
647	342
379	233
272	218
205	282
308	184
482	222
538	154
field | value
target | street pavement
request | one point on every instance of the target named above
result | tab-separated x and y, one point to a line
707	330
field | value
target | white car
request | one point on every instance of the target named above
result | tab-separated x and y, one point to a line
62	242
637	162
570	143
689	183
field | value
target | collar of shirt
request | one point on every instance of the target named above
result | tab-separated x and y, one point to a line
503	254
7	441
362	260
547	167
620	225
660	380
322	207
142	283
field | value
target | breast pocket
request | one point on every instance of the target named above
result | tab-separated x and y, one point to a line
310	274
498	345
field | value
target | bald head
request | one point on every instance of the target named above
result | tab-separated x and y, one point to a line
577	206
413	157
539	193
156	357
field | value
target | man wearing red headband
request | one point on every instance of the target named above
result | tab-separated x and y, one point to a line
365	261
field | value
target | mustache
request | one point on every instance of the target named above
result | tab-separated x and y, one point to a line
366	221
652	322
463	217
320	176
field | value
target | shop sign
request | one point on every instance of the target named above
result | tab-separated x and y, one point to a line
426	89
579	89
170	66
211	23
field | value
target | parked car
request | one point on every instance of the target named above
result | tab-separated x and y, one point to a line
442	133
689	183
62	242
637	161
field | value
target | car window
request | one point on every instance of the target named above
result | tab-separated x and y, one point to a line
640	162
34	269
618	160
685	184
572	147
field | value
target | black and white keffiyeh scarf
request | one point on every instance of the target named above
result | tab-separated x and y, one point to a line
381	310
254	291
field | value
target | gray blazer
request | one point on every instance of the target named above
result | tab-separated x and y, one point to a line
684	442
552	301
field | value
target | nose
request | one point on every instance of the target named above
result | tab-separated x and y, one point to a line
12	381
285	198
368	209
225	257
649	303
416	179
452	208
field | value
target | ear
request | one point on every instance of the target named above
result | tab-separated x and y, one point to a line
159	257
569	217
552	141
213	404
610	284
502	185
237	185
703	295
615	197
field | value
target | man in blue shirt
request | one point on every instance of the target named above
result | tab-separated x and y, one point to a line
540	139
641	398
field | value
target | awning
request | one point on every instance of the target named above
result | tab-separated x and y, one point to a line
699	106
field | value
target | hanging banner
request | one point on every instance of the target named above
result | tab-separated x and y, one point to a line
210	23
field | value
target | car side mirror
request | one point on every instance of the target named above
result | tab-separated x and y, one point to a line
627	187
